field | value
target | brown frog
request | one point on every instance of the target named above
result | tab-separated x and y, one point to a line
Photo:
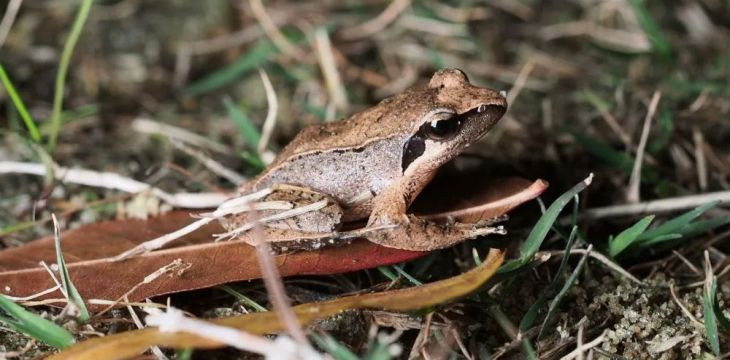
372	166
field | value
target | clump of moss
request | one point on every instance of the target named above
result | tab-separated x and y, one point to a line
643	322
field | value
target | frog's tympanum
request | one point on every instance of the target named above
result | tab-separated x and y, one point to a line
371	166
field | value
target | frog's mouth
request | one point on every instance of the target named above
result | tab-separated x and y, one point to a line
464	191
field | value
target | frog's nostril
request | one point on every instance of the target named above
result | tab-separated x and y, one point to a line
494	111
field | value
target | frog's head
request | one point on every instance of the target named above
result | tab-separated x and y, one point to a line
456	114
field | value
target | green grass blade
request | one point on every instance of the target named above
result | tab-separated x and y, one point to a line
538	233
69	289
708	310
628	236
387	272
20	106
242	298
615	158
334	348
703	226
675	225
658	41
529	318
409	277
248	130
659	239
68	50
602	105
568	284
252	59
528	350
184	354
33	325
722	320
665	127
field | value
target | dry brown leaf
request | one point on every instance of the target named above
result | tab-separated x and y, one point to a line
131	343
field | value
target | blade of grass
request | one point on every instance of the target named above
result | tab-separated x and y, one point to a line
248	130
722	320
708	310
703	226
33	325
409	277
68	49
20	106
614	157
529	318
627	237
538	233
251	60
69	289
651	28
242	298
568	284
675	225
665	126
337	350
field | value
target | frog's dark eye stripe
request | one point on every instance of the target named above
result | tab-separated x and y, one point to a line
414	148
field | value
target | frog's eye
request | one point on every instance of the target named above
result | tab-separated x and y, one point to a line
442	129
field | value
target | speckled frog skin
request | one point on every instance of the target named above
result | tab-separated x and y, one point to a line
374	164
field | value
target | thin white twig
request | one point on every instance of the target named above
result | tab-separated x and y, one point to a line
573	354
282	348
108	180
271	114
152	127
684	309
33	296
275	217
231	206
600	257
212	165
632	193
377	23
700	160
267	23
163	240
138	323
8	19
275	287
175	267
686	262
329	69
46	302
579	342
520	81
656	206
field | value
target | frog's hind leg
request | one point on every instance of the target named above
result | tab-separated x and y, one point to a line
288	214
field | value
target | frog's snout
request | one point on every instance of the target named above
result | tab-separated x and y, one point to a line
492	112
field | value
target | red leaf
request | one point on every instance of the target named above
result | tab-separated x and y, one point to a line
87	251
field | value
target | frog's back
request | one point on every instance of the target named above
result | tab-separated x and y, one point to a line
381	121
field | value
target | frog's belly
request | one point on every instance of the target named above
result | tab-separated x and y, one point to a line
352	178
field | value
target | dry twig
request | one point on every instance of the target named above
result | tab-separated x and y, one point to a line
632	194
8	19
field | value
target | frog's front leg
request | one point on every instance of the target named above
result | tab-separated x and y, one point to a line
413	233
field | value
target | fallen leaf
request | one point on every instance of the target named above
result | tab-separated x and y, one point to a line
88	250
131	343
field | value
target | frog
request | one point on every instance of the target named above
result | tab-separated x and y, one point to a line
368	169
